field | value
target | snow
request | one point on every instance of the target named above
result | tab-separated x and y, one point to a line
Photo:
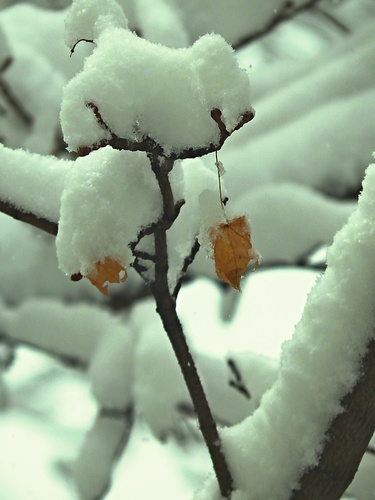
189	178
29	267
212	215
158	381
111	368
105	187
71	330
87	19
284	144
160	22
234	20
288	219
35	40
24	178
175	114
95	460
318	366
274	172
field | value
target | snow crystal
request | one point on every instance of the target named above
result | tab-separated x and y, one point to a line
319	365
175	113
108	197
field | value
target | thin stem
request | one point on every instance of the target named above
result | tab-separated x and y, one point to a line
166	307
217	163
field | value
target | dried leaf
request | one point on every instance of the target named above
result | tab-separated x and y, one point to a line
233	250
106	272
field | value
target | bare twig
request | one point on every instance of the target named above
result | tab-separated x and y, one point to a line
237	383
88	40
287	11
188	260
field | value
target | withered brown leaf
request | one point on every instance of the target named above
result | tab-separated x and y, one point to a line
233	250
106	272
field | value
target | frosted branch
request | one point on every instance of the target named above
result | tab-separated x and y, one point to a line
346	439
150	146
29	218
103	445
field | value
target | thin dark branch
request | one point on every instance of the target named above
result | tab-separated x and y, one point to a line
6	63
287	11
28	217
237	383
166	307
77	42
341	26
188	260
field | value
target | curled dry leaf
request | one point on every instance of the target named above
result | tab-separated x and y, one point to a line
233	250
108	271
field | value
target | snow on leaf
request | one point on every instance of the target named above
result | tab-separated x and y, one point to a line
108	271
233	250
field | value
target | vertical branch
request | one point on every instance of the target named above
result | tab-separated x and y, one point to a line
166	308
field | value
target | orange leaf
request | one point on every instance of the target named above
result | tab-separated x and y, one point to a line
233	250
106	272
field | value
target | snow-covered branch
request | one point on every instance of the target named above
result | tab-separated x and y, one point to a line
329	357
32	183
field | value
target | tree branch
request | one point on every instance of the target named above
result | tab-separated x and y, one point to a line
287	11
148	145
166	307
347	439
65	359
28	217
